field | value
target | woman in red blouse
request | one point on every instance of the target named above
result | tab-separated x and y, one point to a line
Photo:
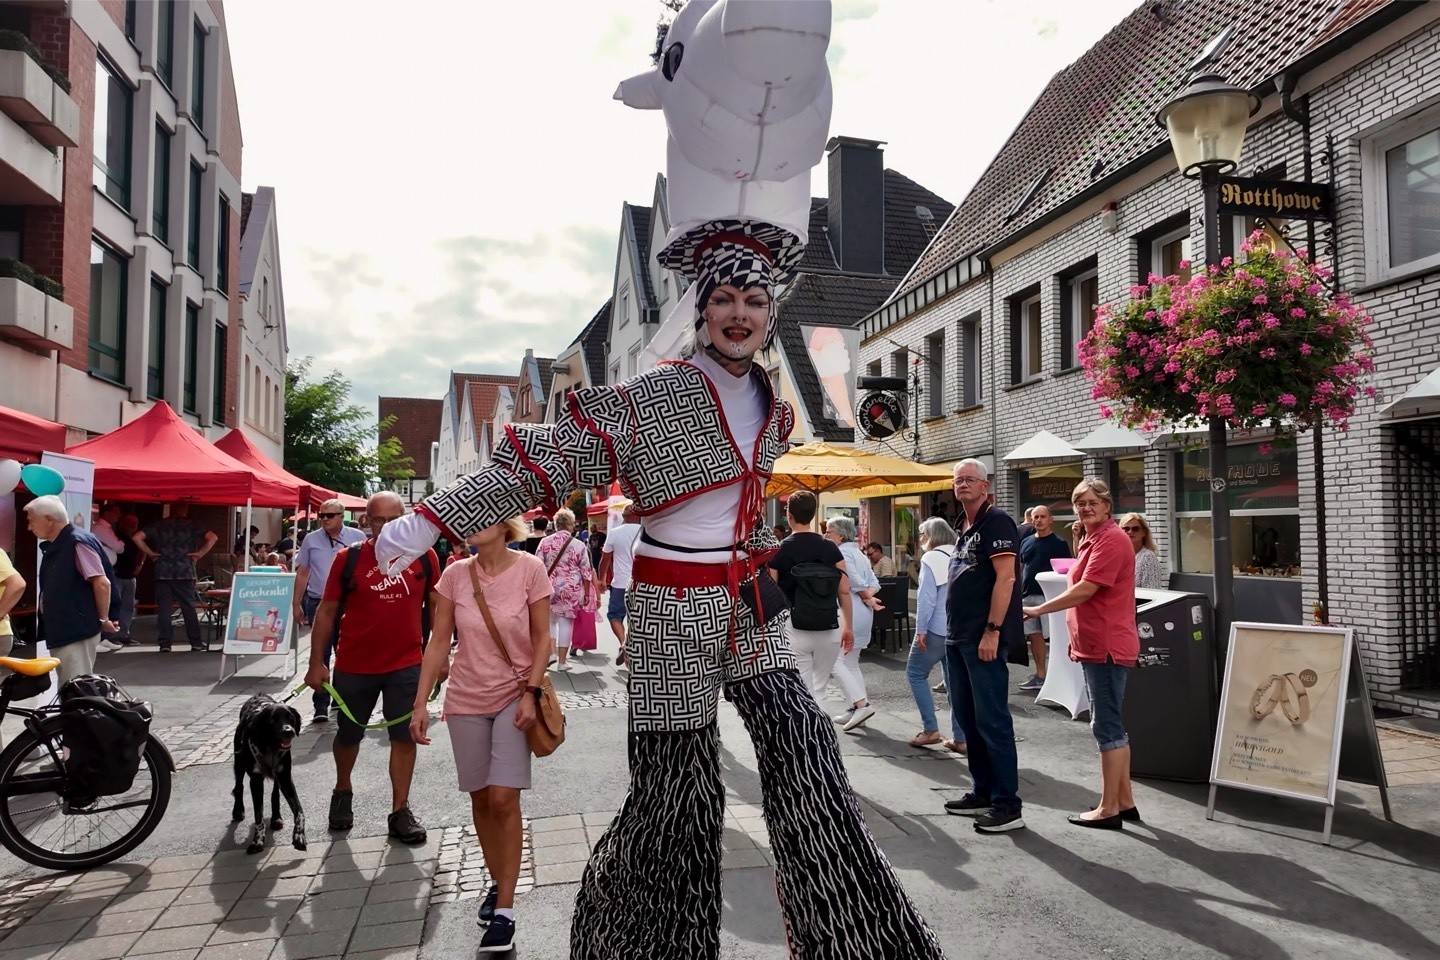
1100	611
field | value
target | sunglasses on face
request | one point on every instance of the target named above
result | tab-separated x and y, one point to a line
1133	529
327	516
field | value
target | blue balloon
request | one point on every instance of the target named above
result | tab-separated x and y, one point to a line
41	480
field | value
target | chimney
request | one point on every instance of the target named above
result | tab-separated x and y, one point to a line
855	210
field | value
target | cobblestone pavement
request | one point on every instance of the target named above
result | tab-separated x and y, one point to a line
362	897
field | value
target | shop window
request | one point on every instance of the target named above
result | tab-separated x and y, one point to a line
113	98
1402	171
1127	485
1051	486
1264	495
108	295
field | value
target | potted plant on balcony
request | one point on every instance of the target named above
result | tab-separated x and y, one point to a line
1258	344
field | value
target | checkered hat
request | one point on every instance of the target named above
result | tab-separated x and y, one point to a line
744	254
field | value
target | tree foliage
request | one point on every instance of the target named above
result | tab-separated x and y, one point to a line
390	459
328	440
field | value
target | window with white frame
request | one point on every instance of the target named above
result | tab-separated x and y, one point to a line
1402	177
935	375
1082	296
615	373
632	364
972	378
624	307
1167	252
1026	337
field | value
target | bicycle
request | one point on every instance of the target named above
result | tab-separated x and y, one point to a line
42	821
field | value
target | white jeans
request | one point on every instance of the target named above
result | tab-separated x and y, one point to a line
815	654
847	671
561	629
76	659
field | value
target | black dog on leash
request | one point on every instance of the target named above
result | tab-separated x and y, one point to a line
262	750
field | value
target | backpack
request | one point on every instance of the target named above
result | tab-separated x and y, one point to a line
347	584
105	739
817	595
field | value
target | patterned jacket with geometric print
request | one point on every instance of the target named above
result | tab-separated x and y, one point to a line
661	434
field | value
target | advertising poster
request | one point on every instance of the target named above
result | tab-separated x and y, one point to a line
1281	710
259	622
79	489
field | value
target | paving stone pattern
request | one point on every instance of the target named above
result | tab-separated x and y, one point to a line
283	904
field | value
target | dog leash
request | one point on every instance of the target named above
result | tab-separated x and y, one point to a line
345	708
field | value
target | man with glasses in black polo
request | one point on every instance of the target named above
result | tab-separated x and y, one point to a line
312	568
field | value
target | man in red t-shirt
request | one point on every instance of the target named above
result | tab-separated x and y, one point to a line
378	652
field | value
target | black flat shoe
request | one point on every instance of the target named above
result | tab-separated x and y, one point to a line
1131	814
1102	823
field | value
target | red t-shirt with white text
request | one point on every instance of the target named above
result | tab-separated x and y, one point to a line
380	631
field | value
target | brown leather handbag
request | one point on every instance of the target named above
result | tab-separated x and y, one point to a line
548	731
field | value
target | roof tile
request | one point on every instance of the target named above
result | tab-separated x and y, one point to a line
417	426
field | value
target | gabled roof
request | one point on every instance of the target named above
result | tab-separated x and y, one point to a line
416	426
635	220
484	392
592	343
821	295
906	234
831	299
1098	114
538	373
256	210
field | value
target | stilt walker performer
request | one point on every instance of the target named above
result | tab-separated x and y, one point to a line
692	442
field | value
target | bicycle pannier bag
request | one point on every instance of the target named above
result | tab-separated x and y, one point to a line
105	739
18	686
817	596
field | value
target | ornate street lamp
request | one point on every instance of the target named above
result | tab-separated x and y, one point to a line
1206	123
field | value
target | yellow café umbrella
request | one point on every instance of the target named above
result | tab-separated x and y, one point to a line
822	468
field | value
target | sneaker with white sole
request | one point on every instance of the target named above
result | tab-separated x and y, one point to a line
939	687
1034	683
844	718
499	936
996	820
858	718
109	646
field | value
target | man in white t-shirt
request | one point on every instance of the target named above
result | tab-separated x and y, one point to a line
615	565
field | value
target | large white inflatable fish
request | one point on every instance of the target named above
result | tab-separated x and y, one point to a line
746	95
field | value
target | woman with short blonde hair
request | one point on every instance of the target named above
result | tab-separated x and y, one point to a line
571	578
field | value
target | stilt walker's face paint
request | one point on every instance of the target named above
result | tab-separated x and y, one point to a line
736	322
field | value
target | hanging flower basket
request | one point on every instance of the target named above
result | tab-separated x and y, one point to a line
1258	344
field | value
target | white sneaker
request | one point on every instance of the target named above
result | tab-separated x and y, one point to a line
109	646
861	715
844	718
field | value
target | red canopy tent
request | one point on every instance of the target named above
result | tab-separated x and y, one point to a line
352	503
239	446
158	457
24	437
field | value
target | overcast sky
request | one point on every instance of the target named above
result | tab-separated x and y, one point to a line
449	174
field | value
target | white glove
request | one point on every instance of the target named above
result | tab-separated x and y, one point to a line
403	541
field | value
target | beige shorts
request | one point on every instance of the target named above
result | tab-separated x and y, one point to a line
489	751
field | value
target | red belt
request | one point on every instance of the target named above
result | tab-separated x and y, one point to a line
677	573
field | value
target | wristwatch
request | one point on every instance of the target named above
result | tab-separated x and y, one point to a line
534	691
991	626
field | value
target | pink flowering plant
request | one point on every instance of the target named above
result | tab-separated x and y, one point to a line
1259	344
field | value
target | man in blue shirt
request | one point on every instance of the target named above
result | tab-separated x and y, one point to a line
1036	552
312	568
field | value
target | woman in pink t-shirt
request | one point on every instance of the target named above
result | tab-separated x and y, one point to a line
1100	605
489	701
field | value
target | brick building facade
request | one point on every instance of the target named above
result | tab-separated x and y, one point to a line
1085	200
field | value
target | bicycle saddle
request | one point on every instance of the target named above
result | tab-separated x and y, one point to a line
30	668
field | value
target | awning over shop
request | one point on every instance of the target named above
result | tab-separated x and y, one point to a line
24	436
903	489
1421	400
159	457
1110	439
1044	447
239	446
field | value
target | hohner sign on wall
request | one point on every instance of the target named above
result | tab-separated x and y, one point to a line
1276	199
